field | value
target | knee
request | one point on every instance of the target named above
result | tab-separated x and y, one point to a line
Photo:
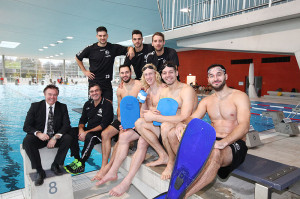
166	127
105	135
67	138
139	123
123	137
172	136
142	144
215	156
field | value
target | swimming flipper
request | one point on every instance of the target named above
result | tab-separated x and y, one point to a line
130	111
195	147
166	107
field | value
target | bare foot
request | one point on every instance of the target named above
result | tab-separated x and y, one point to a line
166	174
120	189
108	177
101	173
159	161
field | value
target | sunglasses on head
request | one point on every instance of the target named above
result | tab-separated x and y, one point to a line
147	67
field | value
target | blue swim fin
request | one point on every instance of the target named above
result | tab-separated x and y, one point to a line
167	107
130	111
195	147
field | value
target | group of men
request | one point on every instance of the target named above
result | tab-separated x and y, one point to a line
47	122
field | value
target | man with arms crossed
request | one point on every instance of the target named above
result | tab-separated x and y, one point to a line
130	87
97	113
101	57
161	54
187	103
141	51
46	124
229	111
152	83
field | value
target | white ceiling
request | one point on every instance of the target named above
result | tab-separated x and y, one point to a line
38	23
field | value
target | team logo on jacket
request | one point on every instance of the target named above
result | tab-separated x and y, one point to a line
107	53
99	112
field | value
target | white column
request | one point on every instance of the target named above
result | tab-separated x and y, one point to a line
251	91
3	67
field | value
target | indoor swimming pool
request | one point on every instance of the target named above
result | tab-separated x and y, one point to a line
15	102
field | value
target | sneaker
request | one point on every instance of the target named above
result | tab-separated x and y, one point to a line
76	168
71	165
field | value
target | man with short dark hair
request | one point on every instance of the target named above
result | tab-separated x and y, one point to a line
161	54
97	113
229	112
141	51
46	124
130	87
101	57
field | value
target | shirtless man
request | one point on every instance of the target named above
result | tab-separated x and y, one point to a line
152	83
187	103
130	87
229	111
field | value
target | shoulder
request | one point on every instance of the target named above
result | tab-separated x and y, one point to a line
240	97
137	83
59	104
106	103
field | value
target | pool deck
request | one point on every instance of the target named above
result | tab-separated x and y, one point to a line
276	147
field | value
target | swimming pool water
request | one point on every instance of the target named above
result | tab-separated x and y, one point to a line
14	103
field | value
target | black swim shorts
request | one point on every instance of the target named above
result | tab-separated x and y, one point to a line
239	152
116	124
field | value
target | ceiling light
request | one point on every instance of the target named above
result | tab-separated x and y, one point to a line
69	37
51	56
61	53
60	42
41	49
47	57
185	10
52	44
45	47
56	55
9	44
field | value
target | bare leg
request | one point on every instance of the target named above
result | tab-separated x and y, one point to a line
217	159
124	139
166	128
173	140
106	135
151	133
136	161
103	170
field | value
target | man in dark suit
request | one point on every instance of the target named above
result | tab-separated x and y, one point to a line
47	123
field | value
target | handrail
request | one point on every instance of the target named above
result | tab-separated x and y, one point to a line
180	13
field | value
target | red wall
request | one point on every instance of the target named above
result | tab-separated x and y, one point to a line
285	75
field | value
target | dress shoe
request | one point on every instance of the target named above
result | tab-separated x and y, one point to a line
40	176
57	169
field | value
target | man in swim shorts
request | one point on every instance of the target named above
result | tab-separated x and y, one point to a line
152	84
130	87
229	111
187	103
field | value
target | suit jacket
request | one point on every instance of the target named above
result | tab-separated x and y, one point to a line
36	118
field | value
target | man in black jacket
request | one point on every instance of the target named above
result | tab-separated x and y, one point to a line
97	113
47	123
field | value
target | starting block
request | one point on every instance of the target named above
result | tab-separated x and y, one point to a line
54	187
252	138
282	124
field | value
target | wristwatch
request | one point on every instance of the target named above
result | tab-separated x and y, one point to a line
54	138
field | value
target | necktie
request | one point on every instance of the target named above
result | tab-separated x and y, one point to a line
50	130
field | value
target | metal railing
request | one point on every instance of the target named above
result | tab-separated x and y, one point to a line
179	13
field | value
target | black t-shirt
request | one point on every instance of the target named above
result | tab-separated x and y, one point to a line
139	60
101	115
169	55
102	59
